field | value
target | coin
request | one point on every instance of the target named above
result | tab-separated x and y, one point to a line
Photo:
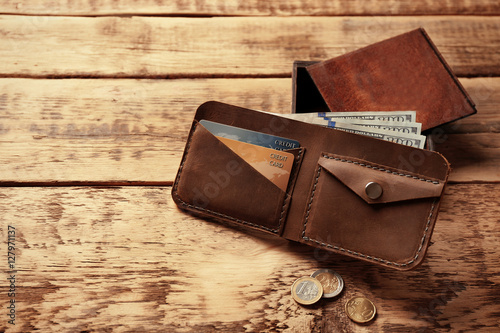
360	309
331	281
307	290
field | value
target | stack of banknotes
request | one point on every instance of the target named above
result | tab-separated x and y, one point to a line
396	126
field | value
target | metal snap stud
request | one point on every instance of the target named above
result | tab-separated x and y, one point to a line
373	190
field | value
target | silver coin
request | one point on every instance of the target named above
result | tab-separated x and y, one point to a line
307	290
331	281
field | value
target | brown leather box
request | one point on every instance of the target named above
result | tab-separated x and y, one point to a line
405	72
327	203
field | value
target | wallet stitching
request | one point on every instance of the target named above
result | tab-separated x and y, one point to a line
435	182
335	247
318	173
282	214
287	199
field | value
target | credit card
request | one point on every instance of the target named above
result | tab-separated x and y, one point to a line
248	136
275	165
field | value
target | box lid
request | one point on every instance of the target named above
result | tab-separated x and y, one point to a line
405	72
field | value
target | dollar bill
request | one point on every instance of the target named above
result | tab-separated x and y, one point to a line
403	127
393	116
413	140
394	126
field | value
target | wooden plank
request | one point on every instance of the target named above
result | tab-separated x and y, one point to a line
111	130
127	259
485	92
42	46
135	130
251	7
473	157
472	144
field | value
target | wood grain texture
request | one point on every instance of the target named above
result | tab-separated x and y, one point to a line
43	46
126	259
135	130
251	7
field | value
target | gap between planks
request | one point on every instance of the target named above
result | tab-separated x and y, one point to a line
117	184
252	8
103	184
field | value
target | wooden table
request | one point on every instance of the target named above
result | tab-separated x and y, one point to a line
96	100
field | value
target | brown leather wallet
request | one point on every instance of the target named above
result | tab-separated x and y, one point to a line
350	194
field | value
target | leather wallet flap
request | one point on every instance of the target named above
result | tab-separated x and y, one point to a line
377	183
405	72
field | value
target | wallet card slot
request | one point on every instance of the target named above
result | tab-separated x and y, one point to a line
215	181
391	229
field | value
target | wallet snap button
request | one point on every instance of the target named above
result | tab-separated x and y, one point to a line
373	190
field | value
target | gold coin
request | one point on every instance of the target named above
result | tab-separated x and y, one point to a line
307	290
360	309
331	281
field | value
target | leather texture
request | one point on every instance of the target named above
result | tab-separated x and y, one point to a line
325	204
405	72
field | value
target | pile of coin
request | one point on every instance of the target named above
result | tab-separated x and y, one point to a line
325	283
